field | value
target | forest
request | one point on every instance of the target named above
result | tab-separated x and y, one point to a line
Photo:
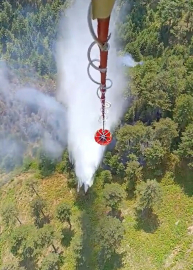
138	213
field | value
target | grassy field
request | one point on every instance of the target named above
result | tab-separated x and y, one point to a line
162	243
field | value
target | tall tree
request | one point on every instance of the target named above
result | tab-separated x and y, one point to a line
185	149
113	195
10	214
109	235
133	173
46	237
131	138
38	206
24	243
50	262
154	157
183	111
148	196
63	213
165	131
106	176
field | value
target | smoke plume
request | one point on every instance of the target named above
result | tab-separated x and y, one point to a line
28	117
78	92
128	61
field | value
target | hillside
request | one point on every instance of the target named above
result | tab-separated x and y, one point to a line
138	213
144	246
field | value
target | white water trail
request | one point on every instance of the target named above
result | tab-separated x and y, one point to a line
78	92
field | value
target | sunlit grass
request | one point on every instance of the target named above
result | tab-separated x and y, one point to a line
167	247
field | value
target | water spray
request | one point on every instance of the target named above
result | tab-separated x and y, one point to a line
77	91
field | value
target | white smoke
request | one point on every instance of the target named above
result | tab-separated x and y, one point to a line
28	117
128	61
78	92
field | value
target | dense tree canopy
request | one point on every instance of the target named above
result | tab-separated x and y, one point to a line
28	31
155	133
